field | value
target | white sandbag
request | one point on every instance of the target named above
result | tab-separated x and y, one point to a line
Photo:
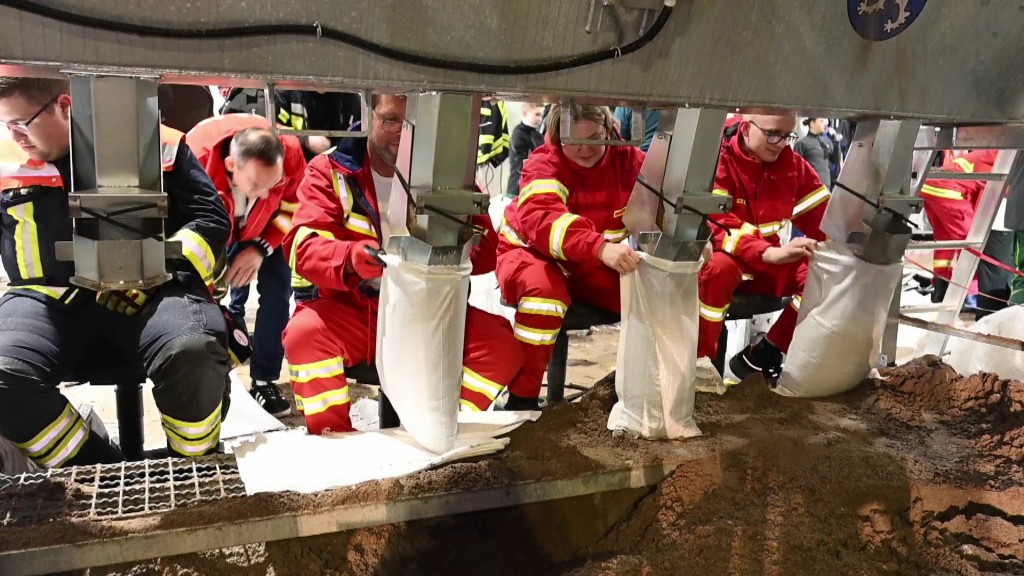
656	367
839	331
421	326
969	357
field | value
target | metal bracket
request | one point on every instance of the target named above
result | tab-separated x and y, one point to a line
119	203
462	203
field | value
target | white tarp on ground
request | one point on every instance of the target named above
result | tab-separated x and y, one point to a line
969	357
839	331
655	376
421	327
295	461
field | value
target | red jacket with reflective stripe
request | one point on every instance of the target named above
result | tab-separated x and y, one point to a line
270	219
980	161
337	209
765	196
565	212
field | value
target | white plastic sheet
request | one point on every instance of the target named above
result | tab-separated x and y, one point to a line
839	331
656	369
969	357
420	332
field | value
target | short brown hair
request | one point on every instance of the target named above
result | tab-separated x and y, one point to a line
35	90
599	114
257	144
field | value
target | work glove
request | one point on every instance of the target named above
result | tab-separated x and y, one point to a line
127	302
365	261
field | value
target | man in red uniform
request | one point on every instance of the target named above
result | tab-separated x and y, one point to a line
769	184
256	174
562	238
950	206
342	212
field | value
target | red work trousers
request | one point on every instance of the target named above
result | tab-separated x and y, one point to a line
724	275
326	335
542	293
951	220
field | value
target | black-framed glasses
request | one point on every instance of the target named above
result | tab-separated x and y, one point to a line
774	137
390	126
22	127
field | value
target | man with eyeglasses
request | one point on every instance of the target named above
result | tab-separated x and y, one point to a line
49	328
770	185
341	223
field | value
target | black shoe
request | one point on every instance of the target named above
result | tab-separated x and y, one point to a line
269	397
762	357
519	403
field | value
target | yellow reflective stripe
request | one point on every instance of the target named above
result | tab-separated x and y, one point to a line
747	276
943	263
478	383
713	314
192	430
193	447
469	406
534	335
512	237
771	228
282	222
811	201
616	236
299	281
314	370
300	235
290	207
69	447
485	111
26	240
795	303
732	241
283	116
544	187
929	190
321	402
341	189
360	224
542	307
558	231
964	165
43	441
55	292
721	192
197	251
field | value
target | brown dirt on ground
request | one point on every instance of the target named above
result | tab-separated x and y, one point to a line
914	474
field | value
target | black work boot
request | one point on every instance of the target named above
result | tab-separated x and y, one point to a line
762	357
516	403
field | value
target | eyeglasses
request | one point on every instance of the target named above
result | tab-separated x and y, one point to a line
22	127
390	126
774	137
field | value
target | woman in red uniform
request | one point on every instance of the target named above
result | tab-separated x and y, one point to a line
563	237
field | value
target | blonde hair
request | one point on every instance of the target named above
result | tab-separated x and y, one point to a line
599	114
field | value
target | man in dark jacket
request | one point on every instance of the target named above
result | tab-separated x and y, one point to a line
48	327
818	148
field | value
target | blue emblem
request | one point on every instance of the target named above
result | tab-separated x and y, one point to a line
879	20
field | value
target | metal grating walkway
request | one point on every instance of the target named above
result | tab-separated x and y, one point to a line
116	491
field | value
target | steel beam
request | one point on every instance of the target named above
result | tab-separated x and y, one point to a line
711	53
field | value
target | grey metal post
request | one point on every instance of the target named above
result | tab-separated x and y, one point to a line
116	166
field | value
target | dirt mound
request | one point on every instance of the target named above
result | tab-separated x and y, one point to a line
915	474
982	409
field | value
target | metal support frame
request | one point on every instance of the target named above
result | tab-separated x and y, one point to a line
121	174
967	263
437	155
680	165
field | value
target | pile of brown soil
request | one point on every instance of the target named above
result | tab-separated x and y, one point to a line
915	474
